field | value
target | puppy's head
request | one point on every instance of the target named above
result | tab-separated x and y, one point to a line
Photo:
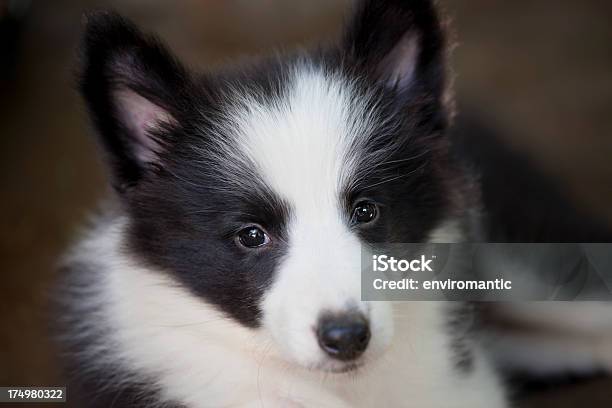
255	189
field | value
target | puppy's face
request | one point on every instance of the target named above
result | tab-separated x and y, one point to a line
256	190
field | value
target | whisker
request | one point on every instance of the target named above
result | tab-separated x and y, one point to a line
390	179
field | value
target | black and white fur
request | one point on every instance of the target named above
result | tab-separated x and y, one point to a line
163	306
541	341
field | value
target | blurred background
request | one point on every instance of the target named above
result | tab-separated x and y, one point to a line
539	70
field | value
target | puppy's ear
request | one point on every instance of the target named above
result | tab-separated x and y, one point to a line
134	90
399	42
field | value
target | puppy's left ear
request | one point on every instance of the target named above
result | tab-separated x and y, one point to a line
401	43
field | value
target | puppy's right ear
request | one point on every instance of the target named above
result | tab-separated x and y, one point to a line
135	91
401	43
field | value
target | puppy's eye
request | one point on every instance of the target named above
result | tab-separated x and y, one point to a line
364	212
252	237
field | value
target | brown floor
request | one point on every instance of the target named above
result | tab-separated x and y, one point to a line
542	70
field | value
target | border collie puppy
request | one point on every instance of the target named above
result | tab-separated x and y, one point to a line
227	271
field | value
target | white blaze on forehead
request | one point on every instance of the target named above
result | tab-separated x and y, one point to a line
307	146
304	144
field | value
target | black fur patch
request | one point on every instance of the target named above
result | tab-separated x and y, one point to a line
521	202
417	185
462	325
183	213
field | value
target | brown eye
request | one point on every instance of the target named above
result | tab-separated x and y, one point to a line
252	237
364	212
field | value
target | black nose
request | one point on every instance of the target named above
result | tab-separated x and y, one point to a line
345	336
